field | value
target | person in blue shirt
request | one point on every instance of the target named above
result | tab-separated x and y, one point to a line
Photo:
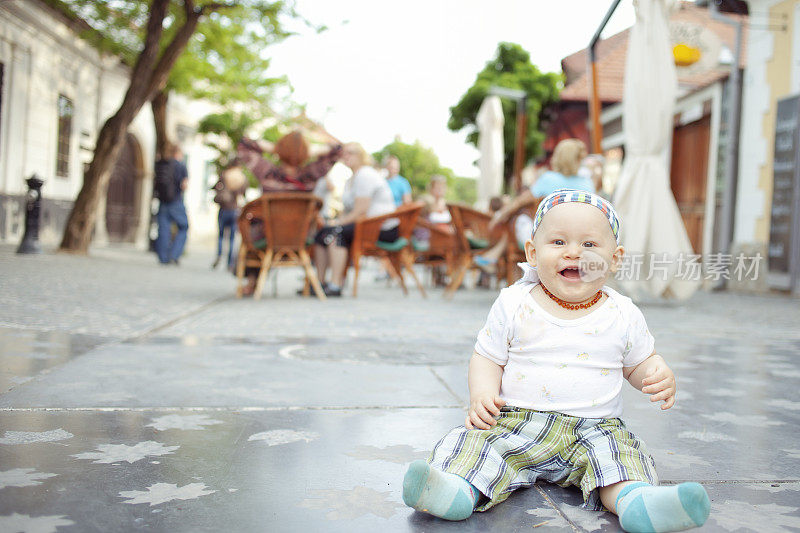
565	162
401	189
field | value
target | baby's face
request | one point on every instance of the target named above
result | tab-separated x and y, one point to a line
574	251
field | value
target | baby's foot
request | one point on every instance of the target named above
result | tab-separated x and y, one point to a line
439	493
644	508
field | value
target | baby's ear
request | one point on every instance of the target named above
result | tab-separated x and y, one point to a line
530	253
616	259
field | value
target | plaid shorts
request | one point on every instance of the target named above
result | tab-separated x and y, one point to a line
527	446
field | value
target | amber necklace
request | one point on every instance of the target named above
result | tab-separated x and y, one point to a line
573	307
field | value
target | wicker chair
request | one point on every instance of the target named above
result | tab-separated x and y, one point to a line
440	248
472	238
286	218
514	254
366	243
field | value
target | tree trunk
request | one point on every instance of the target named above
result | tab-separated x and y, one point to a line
159	106
148	77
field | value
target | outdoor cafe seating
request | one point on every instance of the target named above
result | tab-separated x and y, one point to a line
438	250
274	230
398	253
508	271
472	238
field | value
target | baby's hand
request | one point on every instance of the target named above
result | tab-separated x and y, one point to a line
660	385
482	411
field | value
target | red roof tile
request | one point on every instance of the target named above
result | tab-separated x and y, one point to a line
611	54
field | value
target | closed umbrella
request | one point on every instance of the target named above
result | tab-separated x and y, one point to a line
653	231
490	143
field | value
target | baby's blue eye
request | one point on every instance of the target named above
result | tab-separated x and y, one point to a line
558	242
588	244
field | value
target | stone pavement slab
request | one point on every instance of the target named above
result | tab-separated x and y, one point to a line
139	397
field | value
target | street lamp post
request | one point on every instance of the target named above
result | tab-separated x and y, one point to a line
33	206
594	97
521	98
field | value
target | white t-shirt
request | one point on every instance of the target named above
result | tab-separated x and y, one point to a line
367	183
572	367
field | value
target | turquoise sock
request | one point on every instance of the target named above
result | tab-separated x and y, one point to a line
439	493
643	508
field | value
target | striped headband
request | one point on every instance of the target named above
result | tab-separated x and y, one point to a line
563	196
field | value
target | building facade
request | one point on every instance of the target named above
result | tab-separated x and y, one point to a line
768	193
56	92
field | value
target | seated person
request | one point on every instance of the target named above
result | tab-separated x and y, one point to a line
567	158
292	174
435	209
366	194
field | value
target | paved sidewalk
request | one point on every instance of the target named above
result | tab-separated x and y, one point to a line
140	397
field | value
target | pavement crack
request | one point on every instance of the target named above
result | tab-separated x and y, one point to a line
553	504
171	322
444	384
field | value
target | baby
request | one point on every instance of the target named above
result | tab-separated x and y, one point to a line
545	385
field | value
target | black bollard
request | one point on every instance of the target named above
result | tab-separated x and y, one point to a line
33	206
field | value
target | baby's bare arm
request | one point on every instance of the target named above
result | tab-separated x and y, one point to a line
652	376
484	389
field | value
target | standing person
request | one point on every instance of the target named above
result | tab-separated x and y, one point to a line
366	194
231	186
171	179
545	383
401	189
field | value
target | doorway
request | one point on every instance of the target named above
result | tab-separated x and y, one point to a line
124	193
689	174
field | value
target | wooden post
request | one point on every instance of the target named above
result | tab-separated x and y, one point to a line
594	98
519	150
594	111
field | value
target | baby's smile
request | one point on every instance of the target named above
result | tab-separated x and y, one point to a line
570	274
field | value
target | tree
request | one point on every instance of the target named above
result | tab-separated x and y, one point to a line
511	68
227	129
464	190
225	63
418	163
163	29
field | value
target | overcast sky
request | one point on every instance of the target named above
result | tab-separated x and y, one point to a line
394	68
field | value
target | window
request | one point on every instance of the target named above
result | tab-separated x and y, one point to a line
65	112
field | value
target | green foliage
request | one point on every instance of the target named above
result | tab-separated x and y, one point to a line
224	61
418	163
512	69
463	190
226	129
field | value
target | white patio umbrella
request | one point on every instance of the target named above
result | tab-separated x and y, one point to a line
490	143
652	229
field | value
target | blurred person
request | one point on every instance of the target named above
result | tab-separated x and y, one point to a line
436	212
401	188
292	173
230	187
435	209
366	194
171	180
566	160
592	168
